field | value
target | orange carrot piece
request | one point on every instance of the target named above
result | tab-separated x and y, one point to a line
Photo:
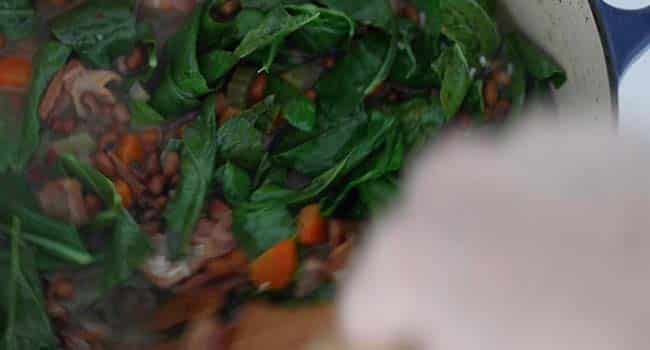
15	72
130	149
125	193
312	227
275	268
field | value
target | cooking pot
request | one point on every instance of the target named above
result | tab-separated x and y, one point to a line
599	43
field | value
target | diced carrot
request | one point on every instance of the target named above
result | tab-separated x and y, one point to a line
125	193
15	72
275	268
312	227
130	149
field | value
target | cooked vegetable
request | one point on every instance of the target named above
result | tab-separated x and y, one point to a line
274	269
14	72
312	228
221	149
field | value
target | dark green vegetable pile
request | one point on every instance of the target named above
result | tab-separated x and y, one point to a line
297	102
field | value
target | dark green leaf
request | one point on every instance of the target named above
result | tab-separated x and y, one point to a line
197	162
26	324
374	12
98	31
17	18
297	109
235	182
277	24
260	228
456	82
325	32
240	142
375	195
49	59
538	64
183	83
342	89
516	92
467	23
270	192
143	115
49	236
128	246
326	150
216	64
419	119
432	16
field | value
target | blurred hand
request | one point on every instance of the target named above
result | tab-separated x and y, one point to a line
536	239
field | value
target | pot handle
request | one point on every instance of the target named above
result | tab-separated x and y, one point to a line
627	33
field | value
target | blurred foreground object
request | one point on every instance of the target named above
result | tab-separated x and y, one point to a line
536	239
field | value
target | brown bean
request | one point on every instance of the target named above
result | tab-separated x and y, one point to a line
311	94
3	41
93	204
62	288
90	101
57	311
69	125
502	78
329	62
121	113
104	164
160	203
491	93
136	59
496	65
150	215
218	210
175	179
229	8
411	12
257	88
152	164
156	184
57	125
106	110
151	139
108	140
171	164
151	227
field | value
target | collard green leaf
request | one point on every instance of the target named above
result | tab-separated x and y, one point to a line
538	64
183	83
374	12
297	109
235	183
516	92
419	119
216	64
17	19
467	23
47	62
240	142
342	89
258	229
277	24
143	115
98	31
128	246
456	81
26	324
432	17
376	194
326	150
47	235
197	162
328	31
416	51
